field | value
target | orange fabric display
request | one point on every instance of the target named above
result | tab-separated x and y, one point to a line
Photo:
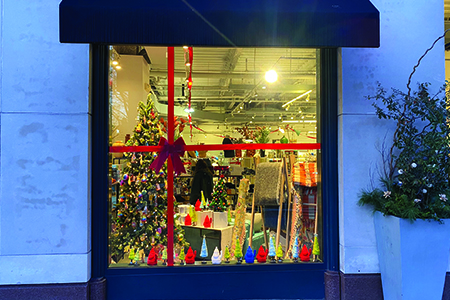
304	174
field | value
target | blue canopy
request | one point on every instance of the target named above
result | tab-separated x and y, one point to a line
224	23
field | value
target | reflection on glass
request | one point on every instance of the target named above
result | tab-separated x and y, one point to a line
249	205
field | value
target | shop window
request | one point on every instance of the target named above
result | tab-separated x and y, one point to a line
250	192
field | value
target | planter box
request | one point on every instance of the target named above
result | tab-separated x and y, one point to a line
220	219
203	215
413	257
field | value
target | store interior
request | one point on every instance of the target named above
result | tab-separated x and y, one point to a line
259	205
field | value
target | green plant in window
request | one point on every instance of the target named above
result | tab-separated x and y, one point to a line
140	214
262	135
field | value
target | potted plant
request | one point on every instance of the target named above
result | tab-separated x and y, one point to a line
412	211
262	137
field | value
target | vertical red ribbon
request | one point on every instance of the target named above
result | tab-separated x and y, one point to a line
170	117
191	57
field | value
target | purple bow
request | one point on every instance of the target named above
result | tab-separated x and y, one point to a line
175	151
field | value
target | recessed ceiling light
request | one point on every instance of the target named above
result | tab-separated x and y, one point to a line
271	76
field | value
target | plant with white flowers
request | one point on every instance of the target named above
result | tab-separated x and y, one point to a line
416	168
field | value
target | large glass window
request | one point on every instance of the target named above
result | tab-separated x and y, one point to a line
250	192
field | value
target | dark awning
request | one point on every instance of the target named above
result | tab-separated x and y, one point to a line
241	23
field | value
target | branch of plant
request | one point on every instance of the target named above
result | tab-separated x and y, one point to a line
400	120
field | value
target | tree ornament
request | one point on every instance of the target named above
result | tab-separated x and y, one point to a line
227	255
187	220
262	255
152	259
216	258
305	254
190	256
164	256
280	253
204	252
136	257
295	250
193	215
272	253
131	256
316	249
250	255
238	252
182	256
198	205
207	222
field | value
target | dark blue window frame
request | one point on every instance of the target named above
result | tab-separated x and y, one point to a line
214	282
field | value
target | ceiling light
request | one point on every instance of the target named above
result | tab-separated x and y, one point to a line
240	107
292	118
271	76
263	87
291	121
118	67
304	94
188	64
303	117
281	129
279	117
185	47
189	110
239	111
115	62
256	95
299	111
250	101
251	122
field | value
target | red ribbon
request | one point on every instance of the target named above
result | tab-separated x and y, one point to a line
176	150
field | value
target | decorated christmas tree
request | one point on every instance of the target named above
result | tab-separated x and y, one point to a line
219	196
204	253
238	252
141	212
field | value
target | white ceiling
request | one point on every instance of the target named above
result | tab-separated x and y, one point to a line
230	82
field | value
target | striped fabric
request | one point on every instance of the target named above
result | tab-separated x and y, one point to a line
304	174
309	201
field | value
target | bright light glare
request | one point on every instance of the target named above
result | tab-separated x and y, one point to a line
271	76
189	110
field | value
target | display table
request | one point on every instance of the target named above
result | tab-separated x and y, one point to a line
215	237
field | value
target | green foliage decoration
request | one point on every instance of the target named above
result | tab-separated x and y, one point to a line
416	169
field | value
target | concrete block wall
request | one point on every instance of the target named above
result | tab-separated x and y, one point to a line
44	167
407	29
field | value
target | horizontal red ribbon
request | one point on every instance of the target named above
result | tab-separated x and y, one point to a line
290	146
